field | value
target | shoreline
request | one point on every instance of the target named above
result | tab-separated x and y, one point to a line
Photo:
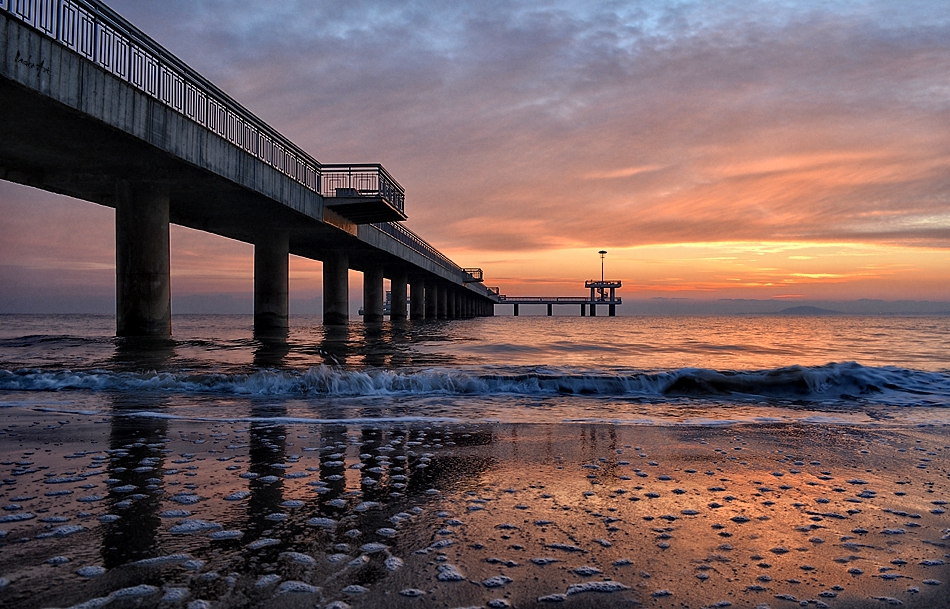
235	512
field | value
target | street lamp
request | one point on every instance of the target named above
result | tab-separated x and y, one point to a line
602	254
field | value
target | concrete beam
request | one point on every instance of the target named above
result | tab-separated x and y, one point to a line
336	299
271	252
373	294
142	268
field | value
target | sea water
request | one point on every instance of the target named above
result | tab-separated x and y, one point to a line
494	462
623	370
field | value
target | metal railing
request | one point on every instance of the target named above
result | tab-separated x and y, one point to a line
475	275
103	37
555	300
364	180
96	32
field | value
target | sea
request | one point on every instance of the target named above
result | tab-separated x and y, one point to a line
501	462
656	370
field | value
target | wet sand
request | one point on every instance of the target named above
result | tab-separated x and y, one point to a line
157	512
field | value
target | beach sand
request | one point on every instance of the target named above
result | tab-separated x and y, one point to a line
139	511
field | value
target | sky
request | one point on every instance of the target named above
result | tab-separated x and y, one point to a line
781	150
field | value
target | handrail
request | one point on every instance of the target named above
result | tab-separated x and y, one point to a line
366	179
102	36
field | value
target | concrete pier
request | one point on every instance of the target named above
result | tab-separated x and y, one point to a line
417	298
432	300
271	259
336	305
441	301
142	268
397	287
373	294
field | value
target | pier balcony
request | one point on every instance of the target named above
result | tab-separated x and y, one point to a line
362	193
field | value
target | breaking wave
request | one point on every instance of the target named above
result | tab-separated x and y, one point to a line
831	382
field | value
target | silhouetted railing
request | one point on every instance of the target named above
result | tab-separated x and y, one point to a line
364	180
103	37
475	275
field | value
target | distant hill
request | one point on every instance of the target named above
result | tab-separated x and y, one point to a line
808	311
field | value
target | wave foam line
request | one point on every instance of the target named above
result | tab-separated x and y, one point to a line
834	381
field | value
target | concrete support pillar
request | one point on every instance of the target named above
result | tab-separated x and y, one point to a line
593	310
373	294
442	301
397	306
432	300
417	299
612	310
583	310
516	310
336	298
142	268
271	259
550	310
450	312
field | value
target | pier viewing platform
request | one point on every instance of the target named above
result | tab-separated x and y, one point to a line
96	110
601	293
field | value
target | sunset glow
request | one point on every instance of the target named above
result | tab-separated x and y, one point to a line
736	150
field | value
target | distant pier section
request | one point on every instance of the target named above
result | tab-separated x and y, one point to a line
602	292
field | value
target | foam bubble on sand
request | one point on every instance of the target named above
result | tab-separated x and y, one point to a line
543	560
186	498
337	604
323	523
386	532
496	581
17	517
566	547
174	596
57	560
231	534
393	563
196	525
412	592
265	581
601	586
263	542
238	496
371	548
587	571
175	514
449	573
355	589
90	571
159	561
199	604
139	591
552	598
299	558
297	587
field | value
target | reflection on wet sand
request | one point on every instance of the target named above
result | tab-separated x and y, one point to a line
262	511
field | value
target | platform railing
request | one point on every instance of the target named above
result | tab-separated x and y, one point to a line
362	179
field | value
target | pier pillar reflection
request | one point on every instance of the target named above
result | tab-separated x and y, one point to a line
136	466
142	267
336	305
271	260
